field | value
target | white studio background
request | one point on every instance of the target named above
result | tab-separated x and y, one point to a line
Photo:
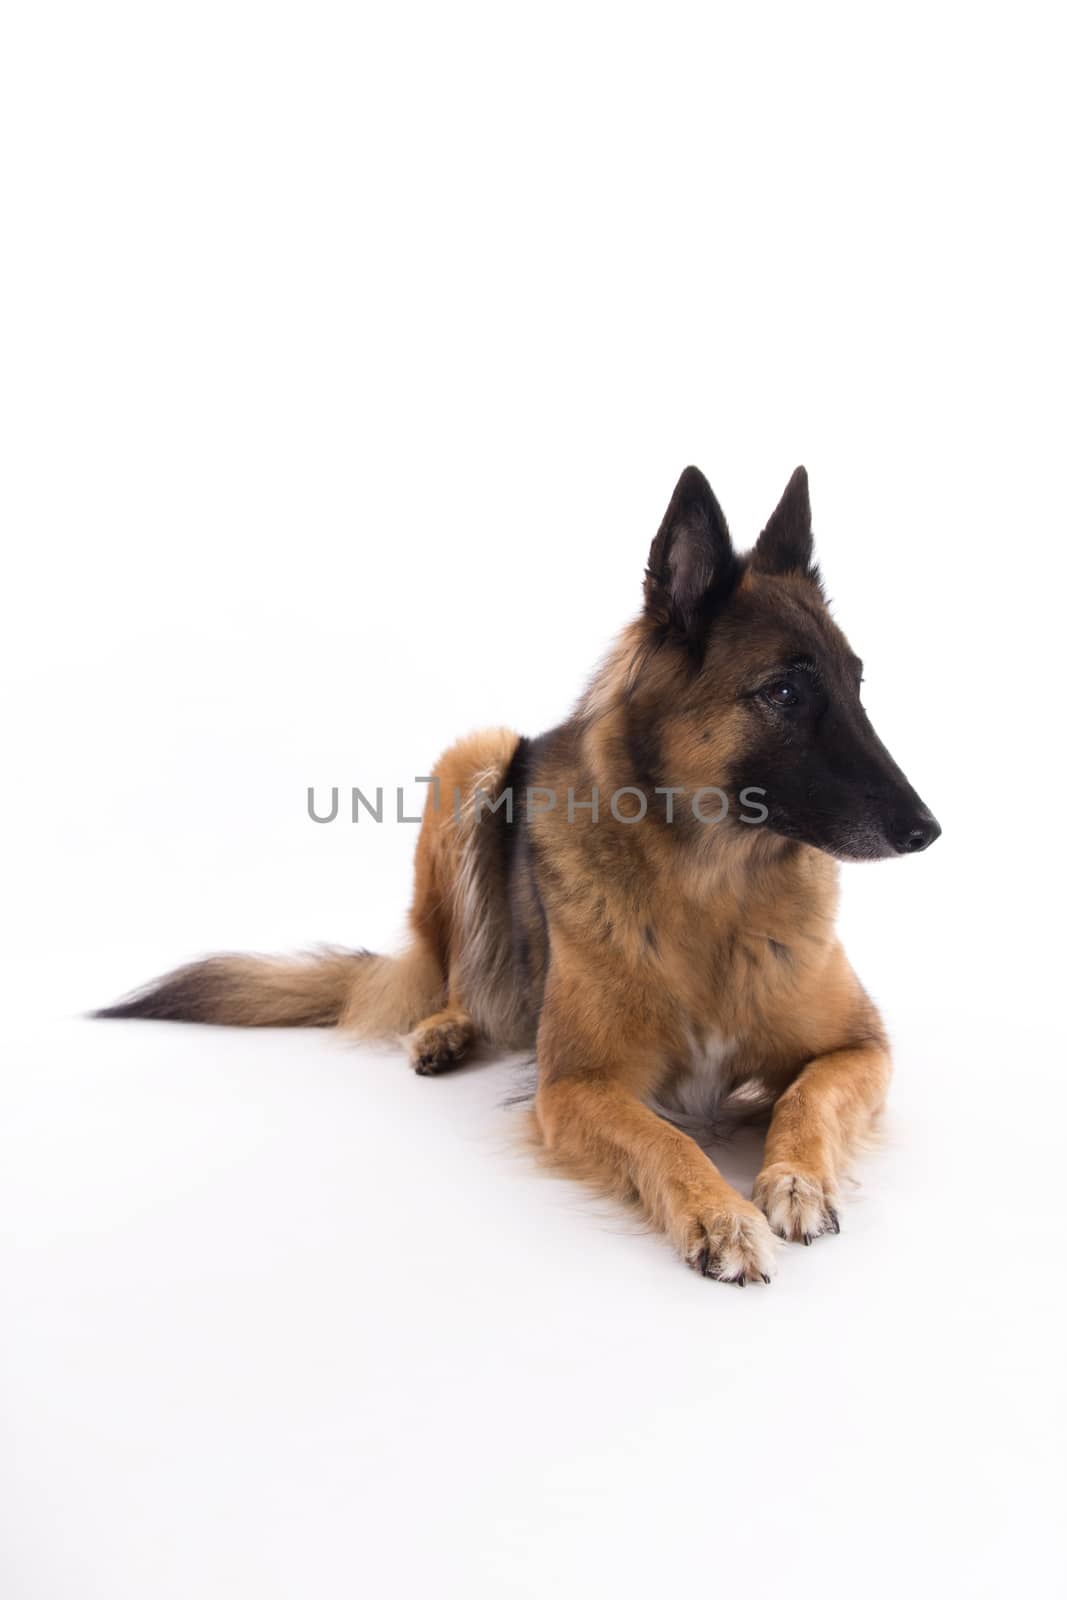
349	357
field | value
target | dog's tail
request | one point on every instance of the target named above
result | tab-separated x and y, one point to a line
372	995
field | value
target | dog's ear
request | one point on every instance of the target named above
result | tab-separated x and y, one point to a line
785	544
692	557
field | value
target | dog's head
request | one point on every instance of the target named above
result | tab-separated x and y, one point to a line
765	686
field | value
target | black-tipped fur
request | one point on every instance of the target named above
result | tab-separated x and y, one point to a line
249	992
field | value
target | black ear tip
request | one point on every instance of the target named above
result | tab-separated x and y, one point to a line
693	481
796	492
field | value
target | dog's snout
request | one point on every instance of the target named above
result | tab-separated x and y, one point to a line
917	834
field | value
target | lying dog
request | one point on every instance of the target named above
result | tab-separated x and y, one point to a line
648	893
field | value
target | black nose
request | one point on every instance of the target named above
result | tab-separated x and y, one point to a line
919	832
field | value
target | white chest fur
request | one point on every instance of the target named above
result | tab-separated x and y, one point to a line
698	1091
708	1090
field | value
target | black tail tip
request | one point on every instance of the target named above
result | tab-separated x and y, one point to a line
121	1008
191	994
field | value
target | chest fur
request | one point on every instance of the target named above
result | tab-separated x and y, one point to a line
709	1083
700	1075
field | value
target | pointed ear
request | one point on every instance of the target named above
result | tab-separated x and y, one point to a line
692	558
785	544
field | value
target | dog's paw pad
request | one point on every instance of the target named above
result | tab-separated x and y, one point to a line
799	1206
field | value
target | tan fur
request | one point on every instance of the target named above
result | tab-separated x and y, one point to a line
616	1025
390	994
460	915
668	973
618	1015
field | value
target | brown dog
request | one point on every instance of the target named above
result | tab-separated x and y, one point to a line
648	892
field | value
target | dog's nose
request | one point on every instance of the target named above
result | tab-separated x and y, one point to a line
920	832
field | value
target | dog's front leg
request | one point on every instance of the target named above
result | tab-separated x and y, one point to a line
593	1119
814	1129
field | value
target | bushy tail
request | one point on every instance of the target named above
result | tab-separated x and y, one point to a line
372	995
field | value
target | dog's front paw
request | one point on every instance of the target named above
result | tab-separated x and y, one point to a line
798	1205
731	1243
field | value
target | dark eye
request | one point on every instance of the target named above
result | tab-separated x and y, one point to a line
782	694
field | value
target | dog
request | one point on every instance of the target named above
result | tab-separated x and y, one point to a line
672	958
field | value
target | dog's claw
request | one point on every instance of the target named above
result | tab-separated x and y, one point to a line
807	1238
707	1264
835	1222
765	1276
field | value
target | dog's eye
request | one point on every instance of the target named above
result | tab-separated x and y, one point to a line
782	694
